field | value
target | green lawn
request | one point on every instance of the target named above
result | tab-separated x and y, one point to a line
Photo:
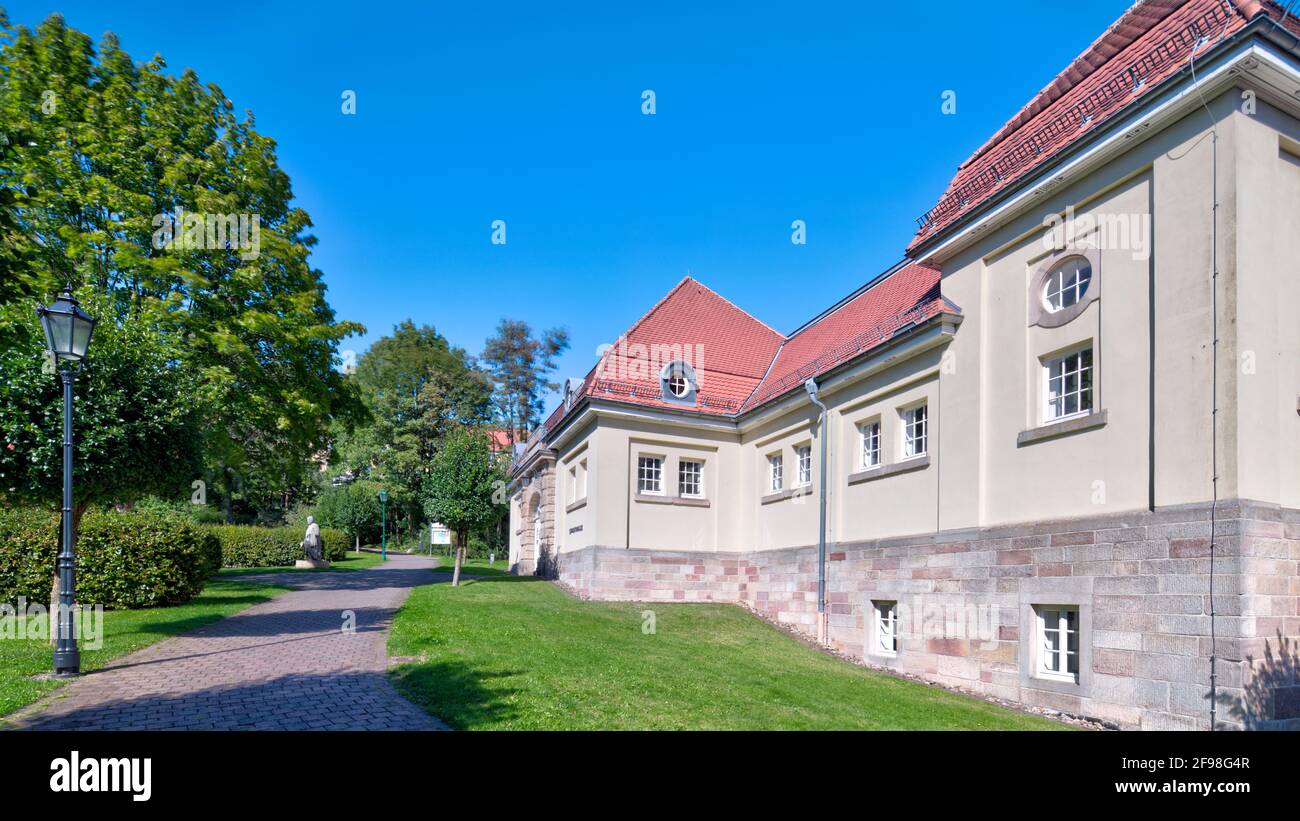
124	631
475	567
355	560
519	653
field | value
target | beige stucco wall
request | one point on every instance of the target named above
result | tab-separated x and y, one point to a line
992	391
613	516
895	505
1267	362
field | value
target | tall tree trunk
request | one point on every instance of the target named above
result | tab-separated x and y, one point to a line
226	510
460	558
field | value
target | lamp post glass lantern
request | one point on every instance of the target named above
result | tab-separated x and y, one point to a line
383	525
68	330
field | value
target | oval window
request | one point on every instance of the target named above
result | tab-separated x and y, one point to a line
1066	284
677	381
678	385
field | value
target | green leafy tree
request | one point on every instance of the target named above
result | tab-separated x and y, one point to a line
137	430
464	488
353	508
415	386
18	280
112	153
520	365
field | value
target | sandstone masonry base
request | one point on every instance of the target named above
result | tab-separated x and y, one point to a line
966	600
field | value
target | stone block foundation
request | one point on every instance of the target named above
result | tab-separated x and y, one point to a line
967	607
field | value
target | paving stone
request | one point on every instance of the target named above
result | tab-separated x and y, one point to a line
285	664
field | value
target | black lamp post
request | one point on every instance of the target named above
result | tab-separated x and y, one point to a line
67	335
383	525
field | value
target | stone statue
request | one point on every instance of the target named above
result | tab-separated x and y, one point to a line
311	544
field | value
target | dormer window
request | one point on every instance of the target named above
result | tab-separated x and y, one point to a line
678	383
678	386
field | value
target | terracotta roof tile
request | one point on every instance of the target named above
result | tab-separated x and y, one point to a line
1149	44
742	363
908	295
728	348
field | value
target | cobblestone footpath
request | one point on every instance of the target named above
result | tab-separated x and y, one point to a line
287	664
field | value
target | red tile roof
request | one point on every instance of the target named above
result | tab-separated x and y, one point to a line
906	296
729	350
1150	43
741	363
500	440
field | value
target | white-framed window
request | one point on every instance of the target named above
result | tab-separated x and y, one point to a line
803	461
1058	641
869	435
678	385
916	427
775	472
573	484
678	381
1067	385
650	475
582	479
1066	284
885	641
690	478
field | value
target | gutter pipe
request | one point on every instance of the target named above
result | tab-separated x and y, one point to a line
811	386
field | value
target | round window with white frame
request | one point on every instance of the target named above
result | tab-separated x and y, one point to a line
678	383
1066	284
1063	287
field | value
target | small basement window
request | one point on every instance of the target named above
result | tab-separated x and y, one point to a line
885	641
1058	642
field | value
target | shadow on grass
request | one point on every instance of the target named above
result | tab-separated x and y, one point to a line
456	693
471	579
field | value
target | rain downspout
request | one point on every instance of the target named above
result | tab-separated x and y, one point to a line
811	387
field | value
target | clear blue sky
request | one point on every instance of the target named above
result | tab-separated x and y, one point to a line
531	113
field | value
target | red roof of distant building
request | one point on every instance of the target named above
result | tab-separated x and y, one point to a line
1152	41
500	440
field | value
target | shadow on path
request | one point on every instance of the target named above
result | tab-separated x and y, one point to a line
312	658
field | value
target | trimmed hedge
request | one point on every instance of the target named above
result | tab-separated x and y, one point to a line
124	560
252	546
29	545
